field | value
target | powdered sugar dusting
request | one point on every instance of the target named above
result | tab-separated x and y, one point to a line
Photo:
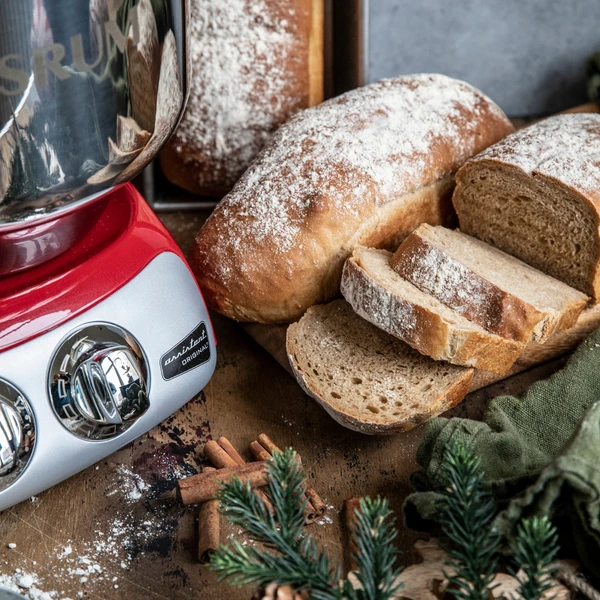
245	55
566	147
341	161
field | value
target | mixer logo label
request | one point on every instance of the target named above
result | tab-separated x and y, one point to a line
191	352
16	70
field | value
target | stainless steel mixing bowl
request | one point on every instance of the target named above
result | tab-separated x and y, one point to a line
89	92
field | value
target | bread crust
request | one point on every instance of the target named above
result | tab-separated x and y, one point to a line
425	330
559	152
253	68
492	308
363	168
452	396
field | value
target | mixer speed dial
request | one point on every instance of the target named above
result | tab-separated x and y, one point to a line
98	382
17	433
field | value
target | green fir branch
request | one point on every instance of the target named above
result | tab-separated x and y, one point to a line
291	557
534	551
299	563
376	554
465	515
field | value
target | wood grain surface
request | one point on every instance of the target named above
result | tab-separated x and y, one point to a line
117	531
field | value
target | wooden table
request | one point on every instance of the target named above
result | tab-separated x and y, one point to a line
117	531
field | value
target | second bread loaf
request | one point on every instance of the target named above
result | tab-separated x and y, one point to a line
254	64
365	168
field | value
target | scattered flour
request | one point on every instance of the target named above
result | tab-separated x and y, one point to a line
129	484
327	518
26	584
112	546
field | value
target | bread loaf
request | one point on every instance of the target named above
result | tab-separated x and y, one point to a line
366	379
536	195
487	286
364	168
254	63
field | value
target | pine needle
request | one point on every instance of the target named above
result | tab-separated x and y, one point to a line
376	555
290	556
534	550
465	515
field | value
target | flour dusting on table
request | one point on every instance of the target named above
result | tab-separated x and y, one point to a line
26	584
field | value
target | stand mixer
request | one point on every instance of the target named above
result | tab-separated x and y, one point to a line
103	330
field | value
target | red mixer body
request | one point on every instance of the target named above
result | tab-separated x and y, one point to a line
113	238
100	342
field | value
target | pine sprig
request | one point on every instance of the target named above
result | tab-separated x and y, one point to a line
376	555
534	550
466	511
298	563
290	556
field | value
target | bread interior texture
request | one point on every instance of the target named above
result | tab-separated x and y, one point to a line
536	219
364	373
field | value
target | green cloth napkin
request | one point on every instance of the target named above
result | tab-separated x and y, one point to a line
540	451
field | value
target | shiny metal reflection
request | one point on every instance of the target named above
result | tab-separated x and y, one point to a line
17	433
98	382
89	92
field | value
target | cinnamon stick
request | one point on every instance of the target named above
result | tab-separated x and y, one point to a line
268	444
259	452
351	506
204	486
218	457
231	451
315	502
209	526
222	455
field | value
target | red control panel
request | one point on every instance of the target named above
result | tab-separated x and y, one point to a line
124	237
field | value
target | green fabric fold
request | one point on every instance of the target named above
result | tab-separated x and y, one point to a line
540	452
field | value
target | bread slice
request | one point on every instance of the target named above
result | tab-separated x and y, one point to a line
377	293
366	379
487	286
536	195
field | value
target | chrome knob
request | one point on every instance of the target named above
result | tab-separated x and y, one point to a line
17	433
98	382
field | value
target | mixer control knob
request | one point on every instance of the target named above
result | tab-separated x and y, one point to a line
99	382
17	433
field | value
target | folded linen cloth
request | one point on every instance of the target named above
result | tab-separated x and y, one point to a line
540	452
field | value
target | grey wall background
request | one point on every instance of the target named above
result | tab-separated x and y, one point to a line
528	55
